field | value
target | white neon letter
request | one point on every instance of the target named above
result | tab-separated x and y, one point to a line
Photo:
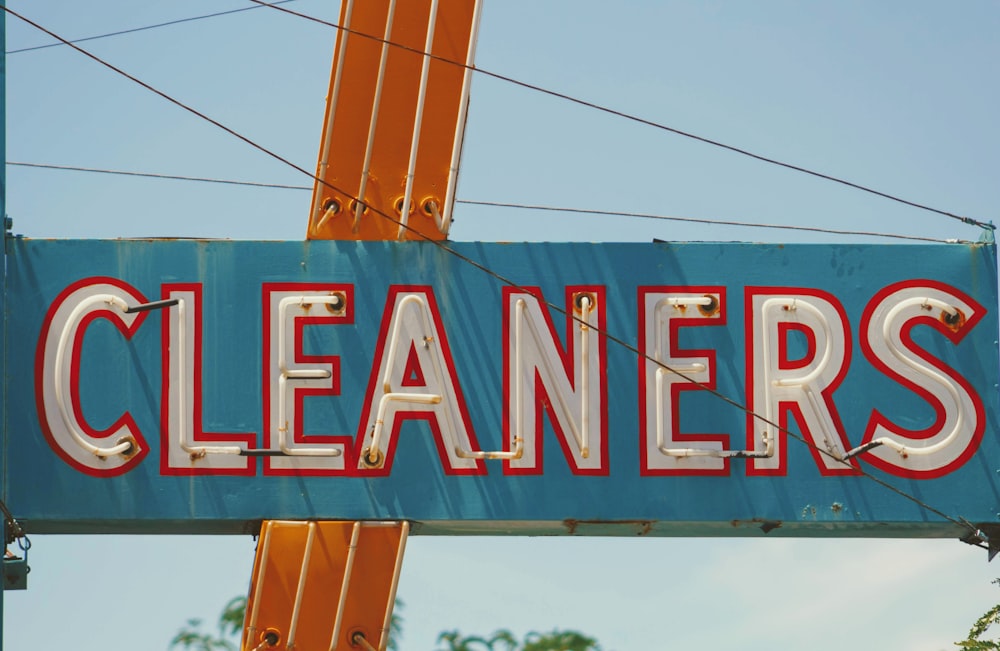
569	382
291	375
185	447
414	378
664	450
886	329
805	386
121	446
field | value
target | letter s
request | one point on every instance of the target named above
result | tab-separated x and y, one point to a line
887	343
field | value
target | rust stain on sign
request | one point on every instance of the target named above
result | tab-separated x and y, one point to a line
596	527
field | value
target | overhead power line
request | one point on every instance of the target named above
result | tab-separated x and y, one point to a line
153	175
695	220
635	118
144	28
261	4
494	204
443	246
161	94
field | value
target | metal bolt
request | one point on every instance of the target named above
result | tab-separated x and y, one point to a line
711	308
131	449
336	303
578	300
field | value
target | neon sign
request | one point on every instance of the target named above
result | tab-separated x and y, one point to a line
342	377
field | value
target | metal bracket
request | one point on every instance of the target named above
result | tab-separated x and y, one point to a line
15	568
15	571
988	236
983	534
324	585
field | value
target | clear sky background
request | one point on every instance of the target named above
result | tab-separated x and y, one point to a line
898	95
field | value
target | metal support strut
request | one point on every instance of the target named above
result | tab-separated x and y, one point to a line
299	565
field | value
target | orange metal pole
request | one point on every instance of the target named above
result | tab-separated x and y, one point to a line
372	133
323	585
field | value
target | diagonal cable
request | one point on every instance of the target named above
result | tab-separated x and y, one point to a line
693	220
152	175
498	204
144	28
645	121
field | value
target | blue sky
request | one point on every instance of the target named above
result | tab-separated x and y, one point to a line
897	95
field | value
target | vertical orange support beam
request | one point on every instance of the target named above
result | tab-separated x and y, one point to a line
323	585
394	120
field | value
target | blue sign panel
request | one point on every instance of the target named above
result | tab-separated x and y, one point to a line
663	389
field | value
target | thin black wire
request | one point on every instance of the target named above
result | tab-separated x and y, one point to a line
637	119
694	220
260	4
141	29
503	279
497	204
152	175
163	95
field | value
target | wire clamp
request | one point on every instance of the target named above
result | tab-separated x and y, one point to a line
15	568
983	535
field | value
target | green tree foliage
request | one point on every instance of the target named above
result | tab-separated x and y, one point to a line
975	642
504	640
191	637
230	627
559	641
499	641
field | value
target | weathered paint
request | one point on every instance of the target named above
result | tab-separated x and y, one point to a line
394	120
317	585
233	292
3	269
